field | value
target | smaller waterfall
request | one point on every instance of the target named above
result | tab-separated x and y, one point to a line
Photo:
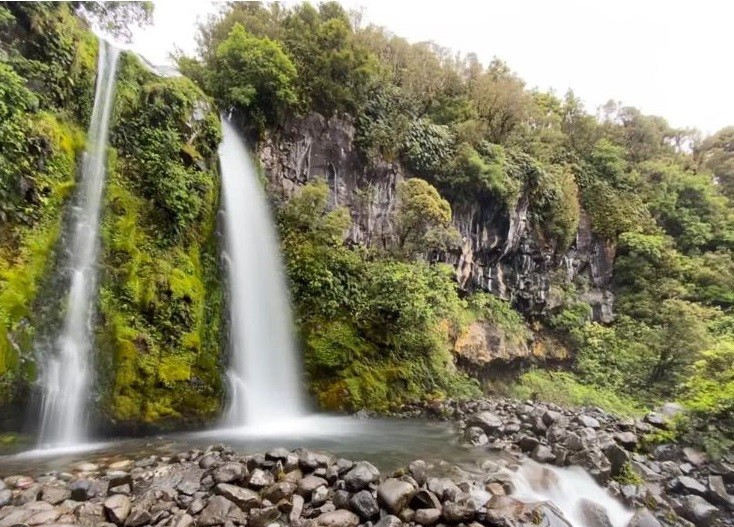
65	369
264	374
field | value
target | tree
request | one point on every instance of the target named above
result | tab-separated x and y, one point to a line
253	75
117	18
716	154
422	219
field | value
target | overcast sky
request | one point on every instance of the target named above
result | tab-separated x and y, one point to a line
671	58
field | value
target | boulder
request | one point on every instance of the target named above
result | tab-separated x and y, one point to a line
138	518
457	512
245	499
389	521
362	475
219	511
528	443
550	417
228	473
689	485
443	488
717	492
338	518
55	495
263	517
617	457
260	479
117	508
6	497
277	491
309	484
655	419
543	454
587	421
594	514
487	421
644	518
364	505
427	517
627	439
417	469
394	495
698	510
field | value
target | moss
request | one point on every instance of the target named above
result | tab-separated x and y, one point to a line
628	475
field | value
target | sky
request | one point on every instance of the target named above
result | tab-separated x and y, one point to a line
671	58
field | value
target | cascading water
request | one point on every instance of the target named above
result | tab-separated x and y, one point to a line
263	376
65	370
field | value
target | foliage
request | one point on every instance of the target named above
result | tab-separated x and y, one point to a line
422	219
488	307
565	389
253	75
116	18
427	147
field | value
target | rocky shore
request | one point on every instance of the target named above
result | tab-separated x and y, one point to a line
216	486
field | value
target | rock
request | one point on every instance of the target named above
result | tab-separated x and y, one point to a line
338	518
263	517
245	499
655	419
218	511
319	496
277	454
394	495
362	475
228	473
5	497
487	421
125	465
389	521
718	494
296	509
573	442
425	499
644	518
698	510
594	514
443	488
81	490
627	439
364	505
43	518
671	409
417	469
550	417
528	443
427	517
340	499
543	454
117	508
456	512
476	436
183	519
118	477
617	457
587	421
137	518
689	485
694	457
55	495
309	484
277	491
260	479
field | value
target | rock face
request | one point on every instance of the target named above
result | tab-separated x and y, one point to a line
501	251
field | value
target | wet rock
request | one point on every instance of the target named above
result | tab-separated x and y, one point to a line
125	465
344	466
617	457
394	495
296	509
228	473
694	457
340	499
362	475
487	421
689	485
309	484
528	443
476	436
550	417
594	514
427	517
218	511
209	461
543	454
319	496
364	505
698	510
338	518
28	495
117	508
389	521
118	477
245	499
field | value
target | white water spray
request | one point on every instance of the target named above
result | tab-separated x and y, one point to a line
264	375
65	371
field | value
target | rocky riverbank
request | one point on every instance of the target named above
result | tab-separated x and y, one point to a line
676	482
526	444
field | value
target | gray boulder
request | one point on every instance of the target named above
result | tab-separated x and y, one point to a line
364	505
219	511
245	499
338	518
698	510
362	475
427	517
394	495
117	508
487	421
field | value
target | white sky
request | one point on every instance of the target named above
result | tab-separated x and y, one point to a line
671	58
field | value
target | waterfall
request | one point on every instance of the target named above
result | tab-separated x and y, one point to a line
65	369
263	375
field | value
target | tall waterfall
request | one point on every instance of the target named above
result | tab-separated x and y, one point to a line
65	369
263	377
